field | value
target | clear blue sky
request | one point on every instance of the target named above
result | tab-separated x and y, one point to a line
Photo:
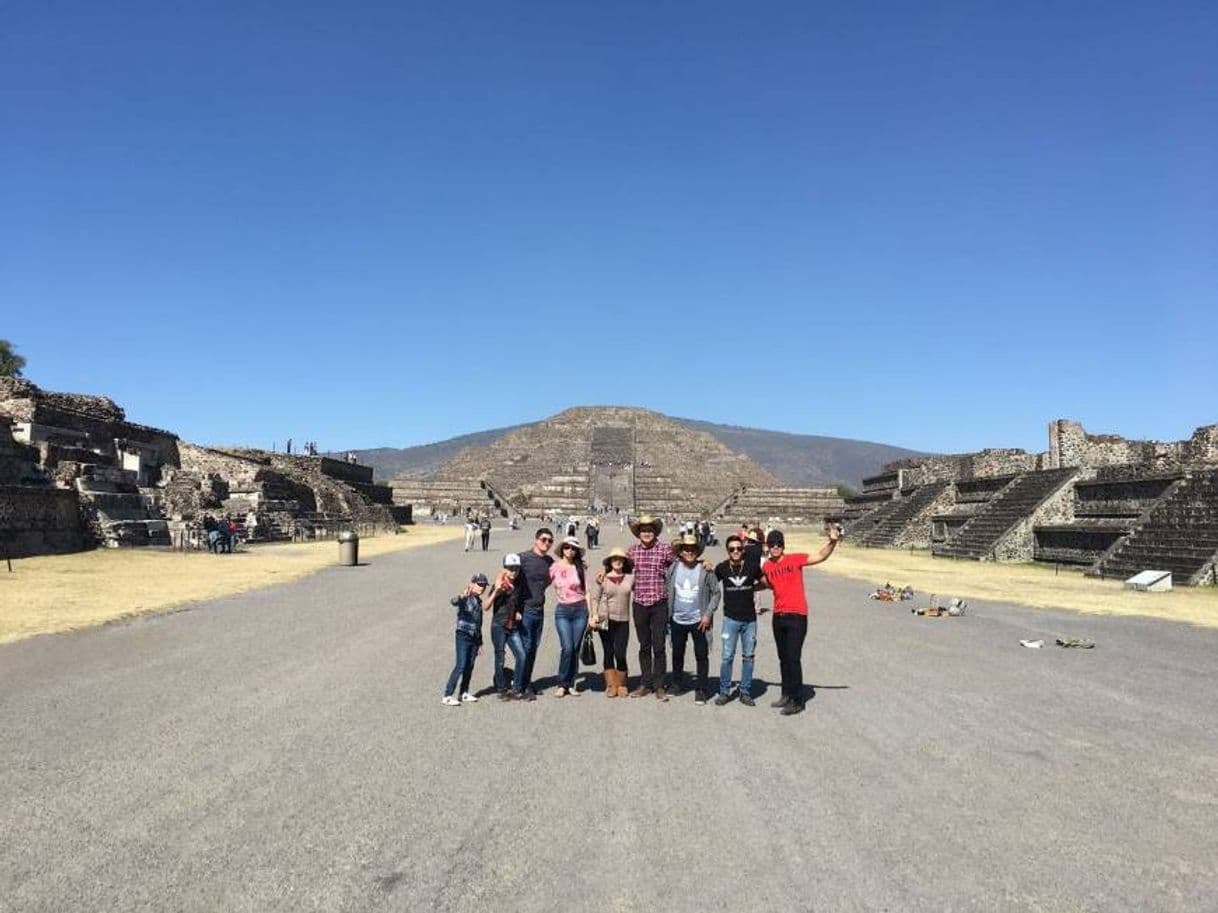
932	225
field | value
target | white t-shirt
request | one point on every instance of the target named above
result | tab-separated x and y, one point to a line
685	594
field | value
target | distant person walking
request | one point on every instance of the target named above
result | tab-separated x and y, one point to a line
531	604
784	574
468	640
609	615
651	559
571	615
484	526
471	530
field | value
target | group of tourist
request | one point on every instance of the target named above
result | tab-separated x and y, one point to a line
476	526
666	590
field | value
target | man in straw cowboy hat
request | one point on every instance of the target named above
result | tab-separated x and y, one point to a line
651	559
693	596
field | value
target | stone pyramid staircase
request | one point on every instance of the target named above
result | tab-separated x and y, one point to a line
978	537
885	532
1180	534
857	530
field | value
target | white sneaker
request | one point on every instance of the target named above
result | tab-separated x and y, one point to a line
450	701
468	698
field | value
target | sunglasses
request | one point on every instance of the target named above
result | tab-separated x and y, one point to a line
545	539
735	548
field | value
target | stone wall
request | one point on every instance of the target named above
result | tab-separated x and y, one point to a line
1071	445
39	521
951	467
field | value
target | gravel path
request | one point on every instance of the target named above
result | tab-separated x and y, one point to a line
287	750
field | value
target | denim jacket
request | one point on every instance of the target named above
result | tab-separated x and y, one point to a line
469	616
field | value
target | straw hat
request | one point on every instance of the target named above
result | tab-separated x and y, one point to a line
646	520
574	543
618	552
688	539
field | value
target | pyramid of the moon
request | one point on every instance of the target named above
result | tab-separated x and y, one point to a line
585	458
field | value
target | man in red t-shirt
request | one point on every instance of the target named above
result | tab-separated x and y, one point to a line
785	575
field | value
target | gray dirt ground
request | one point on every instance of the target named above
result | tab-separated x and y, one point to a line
287	750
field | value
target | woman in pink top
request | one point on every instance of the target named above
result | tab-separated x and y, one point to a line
571	616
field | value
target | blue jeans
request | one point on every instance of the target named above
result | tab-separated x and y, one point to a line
463	668
571	621
746	631
531	626
501	639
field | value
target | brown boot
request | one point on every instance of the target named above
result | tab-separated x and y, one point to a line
642	690
610	683
622	689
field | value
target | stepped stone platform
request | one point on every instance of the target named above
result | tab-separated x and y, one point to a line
77	474
907	521
1106	508
428	497
1014	505
609	457
1178	534
1100	501
784	505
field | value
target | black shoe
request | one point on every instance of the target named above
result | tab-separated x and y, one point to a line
781	703
677	688
793	708
700	698
526	696
507	695
723	699
747	700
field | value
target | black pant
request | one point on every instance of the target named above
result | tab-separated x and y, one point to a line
486	539
789	633
701	654
649	624
614	642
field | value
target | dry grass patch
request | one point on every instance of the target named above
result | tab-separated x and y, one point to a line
1026	584
64	592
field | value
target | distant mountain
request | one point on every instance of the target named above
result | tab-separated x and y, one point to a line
806	459
795	459
413	462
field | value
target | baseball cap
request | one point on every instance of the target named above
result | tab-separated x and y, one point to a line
511	559
479	579
775	538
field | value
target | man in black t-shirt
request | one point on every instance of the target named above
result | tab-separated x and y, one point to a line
740	577
530	596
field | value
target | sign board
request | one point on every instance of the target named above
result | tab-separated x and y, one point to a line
1150	582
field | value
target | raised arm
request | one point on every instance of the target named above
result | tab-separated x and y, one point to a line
835	534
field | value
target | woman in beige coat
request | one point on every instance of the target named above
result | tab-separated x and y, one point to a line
609	616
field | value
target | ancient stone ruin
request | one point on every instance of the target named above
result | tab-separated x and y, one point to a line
1111	505
75	474
613	458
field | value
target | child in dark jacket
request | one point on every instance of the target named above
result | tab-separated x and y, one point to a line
468	639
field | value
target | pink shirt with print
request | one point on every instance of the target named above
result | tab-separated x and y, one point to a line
565	578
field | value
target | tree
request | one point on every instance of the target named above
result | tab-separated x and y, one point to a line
10	362
846	491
